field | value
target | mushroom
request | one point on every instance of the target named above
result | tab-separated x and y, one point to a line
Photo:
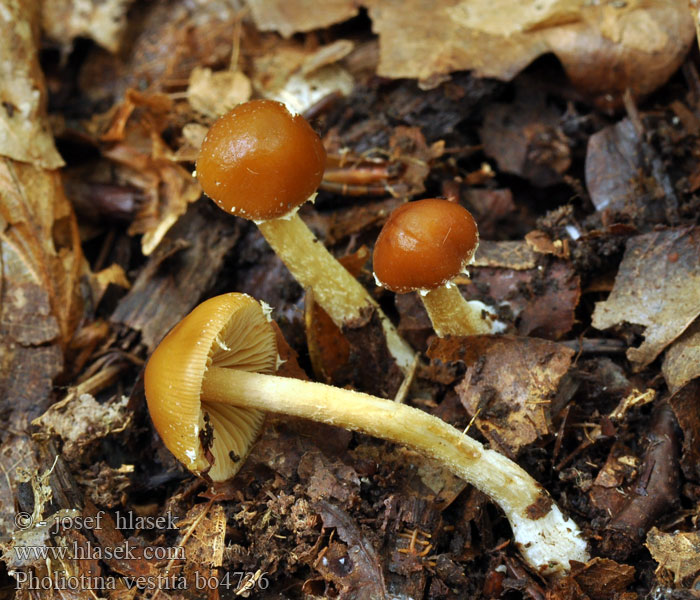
208	383
422	247
261	163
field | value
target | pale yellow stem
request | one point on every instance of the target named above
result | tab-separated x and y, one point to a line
338	292
451	314
546	538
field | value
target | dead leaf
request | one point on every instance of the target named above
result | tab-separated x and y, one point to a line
324	478
357	572
625	177
213	94
657	286
100	20
525	138
682	361
24	128
490	208
605	48
291	16
607	491
541	243
678	552
148	164
41	261
299	76
602	578
510	386
543	300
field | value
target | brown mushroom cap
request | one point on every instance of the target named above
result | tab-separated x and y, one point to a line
424	244
207	437
260	162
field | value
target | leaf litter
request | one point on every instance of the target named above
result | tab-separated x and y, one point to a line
576	202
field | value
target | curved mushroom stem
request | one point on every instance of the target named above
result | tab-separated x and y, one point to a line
338	292
546	538
451	314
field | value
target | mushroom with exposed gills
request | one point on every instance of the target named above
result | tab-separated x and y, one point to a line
209	382
422	247
261	163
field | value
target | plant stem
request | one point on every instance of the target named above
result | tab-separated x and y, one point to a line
338	292
451	314
545	537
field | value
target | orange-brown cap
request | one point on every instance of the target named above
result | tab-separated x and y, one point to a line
424	244
260	162
233	331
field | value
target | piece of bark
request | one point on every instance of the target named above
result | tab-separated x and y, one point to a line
180	270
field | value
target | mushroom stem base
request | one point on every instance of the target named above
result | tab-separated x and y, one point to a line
338	292
451	314
545	537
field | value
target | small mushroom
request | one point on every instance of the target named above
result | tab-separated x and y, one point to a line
261	163
422	247
208	383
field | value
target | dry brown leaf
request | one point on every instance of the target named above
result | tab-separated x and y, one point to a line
24	127
357	571
213	94
613	164
103	21
510	385
326	478
41	261
607	493
147	163
678	552
605	47
602	578
657	286
543	299
682	361
625	176
525	138
291	16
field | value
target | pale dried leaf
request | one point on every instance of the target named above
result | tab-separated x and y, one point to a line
213	94
682	361
300	92
604	47
291	16
146	162
327	55
41	253
24	128
657	286
103	21
678	552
